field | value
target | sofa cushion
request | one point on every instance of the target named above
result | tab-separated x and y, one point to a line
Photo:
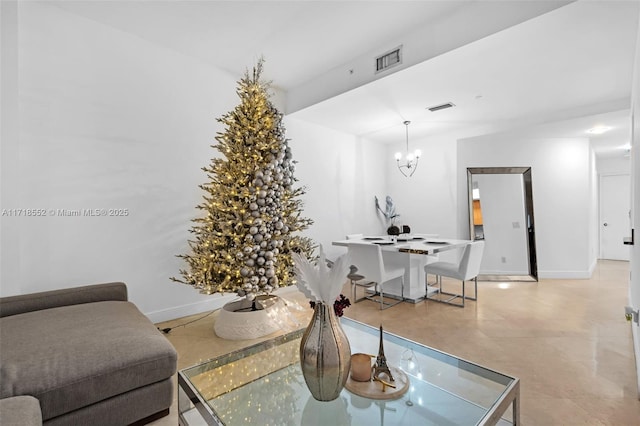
20	304
20	411
73	356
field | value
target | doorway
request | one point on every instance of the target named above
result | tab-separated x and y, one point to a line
501	214
615	219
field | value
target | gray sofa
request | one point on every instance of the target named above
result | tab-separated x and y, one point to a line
87	356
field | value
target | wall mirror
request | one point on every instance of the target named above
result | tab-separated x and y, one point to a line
501	214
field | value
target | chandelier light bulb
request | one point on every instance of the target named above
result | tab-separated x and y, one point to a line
411	162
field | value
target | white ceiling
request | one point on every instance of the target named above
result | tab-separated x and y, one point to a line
300	39
575	61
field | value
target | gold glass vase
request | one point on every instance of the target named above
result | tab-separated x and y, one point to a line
325	354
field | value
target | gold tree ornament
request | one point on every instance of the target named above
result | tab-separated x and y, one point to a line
252	213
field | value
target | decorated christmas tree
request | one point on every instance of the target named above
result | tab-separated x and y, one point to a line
252	212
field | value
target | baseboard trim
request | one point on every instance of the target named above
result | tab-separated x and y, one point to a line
214	302
593	267
503	272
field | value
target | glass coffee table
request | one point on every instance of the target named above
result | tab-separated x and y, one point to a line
263	385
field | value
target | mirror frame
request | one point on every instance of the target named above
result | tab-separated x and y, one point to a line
528	201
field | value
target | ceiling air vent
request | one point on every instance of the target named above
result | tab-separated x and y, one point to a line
389	59
439	107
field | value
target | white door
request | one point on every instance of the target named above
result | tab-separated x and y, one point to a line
615	222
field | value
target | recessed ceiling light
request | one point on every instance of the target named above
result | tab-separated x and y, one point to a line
598	130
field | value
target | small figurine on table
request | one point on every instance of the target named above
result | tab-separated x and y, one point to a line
381	367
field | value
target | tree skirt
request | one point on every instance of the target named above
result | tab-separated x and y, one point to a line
237	321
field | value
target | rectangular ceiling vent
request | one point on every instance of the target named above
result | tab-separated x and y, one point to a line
389	59
439	107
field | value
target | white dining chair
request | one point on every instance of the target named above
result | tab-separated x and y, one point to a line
367	258
356	280
354	277
430	257
467	268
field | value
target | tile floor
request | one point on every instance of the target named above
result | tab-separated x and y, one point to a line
567	341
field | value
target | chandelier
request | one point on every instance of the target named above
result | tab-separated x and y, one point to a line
411	160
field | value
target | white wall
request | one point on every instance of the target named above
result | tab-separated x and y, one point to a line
634	288
426	200
562	195
593	228
563	190
342	175
613	165
107	121
8	132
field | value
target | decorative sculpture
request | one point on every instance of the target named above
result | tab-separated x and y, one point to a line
390	209
381	366
390	216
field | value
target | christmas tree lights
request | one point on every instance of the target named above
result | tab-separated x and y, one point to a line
252	212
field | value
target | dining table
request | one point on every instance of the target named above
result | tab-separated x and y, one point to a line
412	252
